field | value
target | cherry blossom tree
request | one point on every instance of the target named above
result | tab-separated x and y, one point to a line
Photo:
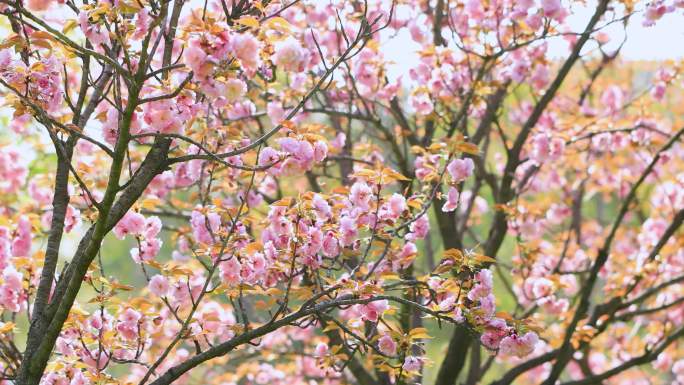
338	192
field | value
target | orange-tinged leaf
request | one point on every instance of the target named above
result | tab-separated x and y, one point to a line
331	326
366	173
468	148
151	203
453	254
436	147
504	315
69	25
7	327
274	292
129	7
278	23
288	124
534	327
119	286
443	268
41	35
285	202
419	333
417	150
43	44
249	21
154	264
253	247
483	258
12	41
393	174
390	276
261	305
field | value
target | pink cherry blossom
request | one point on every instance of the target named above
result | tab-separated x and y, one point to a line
460	169
411	364
21	245
519	346
396	205
235	89
387	345
321	349
612	99
246	47
290	55
419	228
132	223
374	310
452	200
204	226
553	9
360	195
422	104
159	285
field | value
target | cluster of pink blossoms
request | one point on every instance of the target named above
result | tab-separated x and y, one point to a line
659	8
296	241
546	147
296	155
337	222
427	167
663	77
497	334
13	170
40	81
15	243
145	230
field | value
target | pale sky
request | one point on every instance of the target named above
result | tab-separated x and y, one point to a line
663	41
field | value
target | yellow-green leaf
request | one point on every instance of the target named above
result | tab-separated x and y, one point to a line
248	21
